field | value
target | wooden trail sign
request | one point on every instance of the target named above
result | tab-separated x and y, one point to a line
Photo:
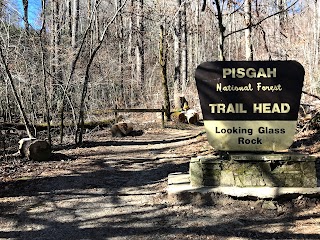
250	106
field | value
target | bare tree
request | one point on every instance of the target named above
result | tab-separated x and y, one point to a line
184	47
248	30
222	30
120	37
25	4
113	76
281	4
80	126
1	8
163	65
131	46
44	72
317	31
75	21
26	122
140	44
177	50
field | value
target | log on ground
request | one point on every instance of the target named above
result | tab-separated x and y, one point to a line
192	116
178	117
121	129
34	149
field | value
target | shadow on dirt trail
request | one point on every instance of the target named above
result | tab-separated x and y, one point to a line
119	192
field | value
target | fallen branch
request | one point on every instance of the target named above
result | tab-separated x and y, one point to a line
312	95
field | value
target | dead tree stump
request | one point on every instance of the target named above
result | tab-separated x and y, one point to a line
34	149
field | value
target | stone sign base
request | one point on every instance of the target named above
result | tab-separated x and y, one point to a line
253	170
249	174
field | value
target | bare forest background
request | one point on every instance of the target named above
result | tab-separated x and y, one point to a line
87	56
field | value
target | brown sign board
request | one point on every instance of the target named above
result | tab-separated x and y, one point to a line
250	105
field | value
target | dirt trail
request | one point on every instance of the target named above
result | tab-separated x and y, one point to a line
116	189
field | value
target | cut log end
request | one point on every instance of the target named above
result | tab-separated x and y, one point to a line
192	116
178	117
34	149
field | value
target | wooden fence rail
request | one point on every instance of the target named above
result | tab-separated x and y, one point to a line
143	110
40	127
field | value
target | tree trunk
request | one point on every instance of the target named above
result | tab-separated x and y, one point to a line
43	56
29	130
163	64
8	104
196	34
25	14
203	5
140	44
2	8
184	48
75	22
120	36
55	27
222	29
283	41
317	33
177	53
248	30
56	56
69	18
283	14
130	47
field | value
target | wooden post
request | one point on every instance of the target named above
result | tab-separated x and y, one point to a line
162	116
116	114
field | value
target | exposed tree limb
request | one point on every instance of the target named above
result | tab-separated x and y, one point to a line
262	20
312	95
265	42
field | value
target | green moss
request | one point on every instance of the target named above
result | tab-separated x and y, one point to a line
196	173
213	171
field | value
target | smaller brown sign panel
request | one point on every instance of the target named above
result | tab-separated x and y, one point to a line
250	106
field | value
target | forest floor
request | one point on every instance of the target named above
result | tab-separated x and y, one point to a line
115	188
